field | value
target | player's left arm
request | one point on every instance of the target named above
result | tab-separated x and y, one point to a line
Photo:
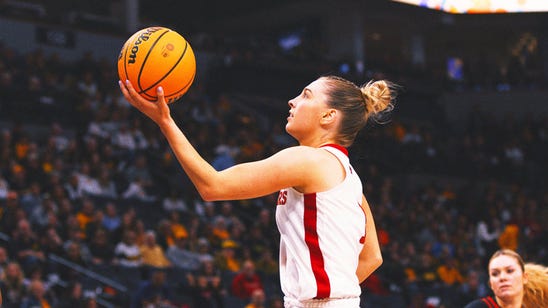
370	257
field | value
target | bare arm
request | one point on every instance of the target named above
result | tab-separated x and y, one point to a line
370	256
292	167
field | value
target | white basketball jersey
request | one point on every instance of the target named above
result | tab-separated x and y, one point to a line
321	236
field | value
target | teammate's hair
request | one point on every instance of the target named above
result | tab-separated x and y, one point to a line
358	104
535	291
536	288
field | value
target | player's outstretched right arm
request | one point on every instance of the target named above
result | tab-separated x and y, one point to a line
299	166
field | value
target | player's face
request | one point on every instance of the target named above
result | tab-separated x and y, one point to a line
306	110
506	277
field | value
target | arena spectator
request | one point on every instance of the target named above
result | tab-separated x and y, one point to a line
123	139
73	188
72	254
139	169
100	248
246	282
51	242
471	289
174	202
165	236
73	296
39	215
486	235
224	158
76	236
25	246
136	190
220	231
111	220
38	296
226	259
154	292
257	299
129	223
256	241
205	286
30	199
4	188
87	182
203	249
4	260
127	252
107	187
267	264
86	214
152	254
509	237
181	256
178	229
12	285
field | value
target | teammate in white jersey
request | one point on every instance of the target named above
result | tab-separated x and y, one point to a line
321	212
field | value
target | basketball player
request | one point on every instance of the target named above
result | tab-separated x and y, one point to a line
328	240
514	283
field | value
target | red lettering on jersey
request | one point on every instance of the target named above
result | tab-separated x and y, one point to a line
282	197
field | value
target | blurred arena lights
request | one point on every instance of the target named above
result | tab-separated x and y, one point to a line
481	6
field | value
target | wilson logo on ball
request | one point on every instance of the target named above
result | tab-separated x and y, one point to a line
142	38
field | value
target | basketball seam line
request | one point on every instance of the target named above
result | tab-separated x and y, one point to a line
145	60
168	72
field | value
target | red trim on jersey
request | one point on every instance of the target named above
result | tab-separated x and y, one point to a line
490	302
323	286
362	239
336	146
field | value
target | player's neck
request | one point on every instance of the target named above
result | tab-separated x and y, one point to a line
510	303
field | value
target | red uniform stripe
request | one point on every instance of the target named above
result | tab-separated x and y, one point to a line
490	302
323	287
336	146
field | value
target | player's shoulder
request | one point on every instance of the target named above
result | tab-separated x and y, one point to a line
304	158
301	151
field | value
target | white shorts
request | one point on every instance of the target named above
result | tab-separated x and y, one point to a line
351	302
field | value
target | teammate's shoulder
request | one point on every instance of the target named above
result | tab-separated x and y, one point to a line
482	303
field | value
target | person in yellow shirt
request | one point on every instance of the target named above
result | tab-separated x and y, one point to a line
86	215
177	227
152	254
449	273
226	259
508	239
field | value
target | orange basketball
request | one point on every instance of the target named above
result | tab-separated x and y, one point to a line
157	56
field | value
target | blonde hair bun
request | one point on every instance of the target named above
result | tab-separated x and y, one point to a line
378	97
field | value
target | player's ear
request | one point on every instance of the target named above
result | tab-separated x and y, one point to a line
329	116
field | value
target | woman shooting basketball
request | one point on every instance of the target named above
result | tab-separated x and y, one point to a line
322	215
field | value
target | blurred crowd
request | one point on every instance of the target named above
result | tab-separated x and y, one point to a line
89	189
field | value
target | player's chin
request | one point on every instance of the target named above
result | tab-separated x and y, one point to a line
289	129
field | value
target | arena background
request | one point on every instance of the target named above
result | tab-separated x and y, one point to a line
87	184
